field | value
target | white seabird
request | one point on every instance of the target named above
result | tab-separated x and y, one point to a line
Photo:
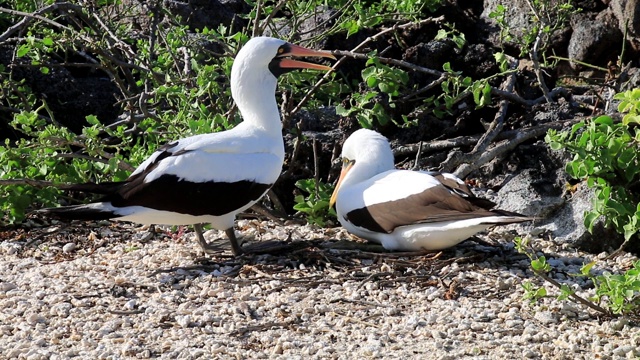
403	209
210	178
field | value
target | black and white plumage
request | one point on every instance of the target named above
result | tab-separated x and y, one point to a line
210	178
404	209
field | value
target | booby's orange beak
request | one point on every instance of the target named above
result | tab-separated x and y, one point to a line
299	51
345	169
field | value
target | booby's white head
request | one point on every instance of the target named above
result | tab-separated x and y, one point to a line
253	76
365	154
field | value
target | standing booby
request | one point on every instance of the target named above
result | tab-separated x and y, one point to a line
210	178
404	209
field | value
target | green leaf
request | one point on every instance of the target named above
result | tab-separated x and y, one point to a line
586	269
92	120
342	111
603	120
441	35
23	50
590	219
540	264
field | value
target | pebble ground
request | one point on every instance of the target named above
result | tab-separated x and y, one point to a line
107	292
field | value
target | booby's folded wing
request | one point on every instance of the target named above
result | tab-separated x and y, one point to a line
458	186
198	175
222	142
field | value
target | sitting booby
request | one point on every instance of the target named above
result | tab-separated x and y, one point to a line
403	209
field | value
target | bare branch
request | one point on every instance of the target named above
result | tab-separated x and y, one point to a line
467	160
267	21
391	61
426	88
256	21
31	182
506	146
37	15
438	145
358	48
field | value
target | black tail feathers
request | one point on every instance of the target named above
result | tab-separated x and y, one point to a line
77	212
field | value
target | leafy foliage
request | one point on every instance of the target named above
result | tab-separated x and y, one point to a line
614	293
606	156
629	104
367	107
546	18
315	205
621	292
169	85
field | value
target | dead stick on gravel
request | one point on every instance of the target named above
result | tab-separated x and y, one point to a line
266	326
575	297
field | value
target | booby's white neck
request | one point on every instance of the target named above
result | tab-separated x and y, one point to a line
253	89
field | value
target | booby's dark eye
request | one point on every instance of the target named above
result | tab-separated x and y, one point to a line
280	50
346	162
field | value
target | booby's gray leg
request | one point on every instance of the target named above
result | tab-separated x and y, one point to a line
208	249
212	249
235	247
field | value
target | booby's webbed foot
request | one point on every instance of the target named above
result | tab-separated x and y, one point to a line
207	248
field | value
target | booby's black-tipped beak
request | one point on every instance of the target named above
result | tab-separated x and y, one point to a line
299	51
282	63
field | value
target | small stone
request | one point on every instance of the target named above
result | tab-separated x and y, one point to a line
6	286
545	317
131	304
69	247
35	319
619	324
529	354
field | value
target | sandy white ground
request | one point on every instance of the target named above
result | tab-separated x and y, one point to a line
104	292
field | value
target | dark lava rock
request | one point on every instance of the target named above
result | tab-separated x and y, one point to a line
594	38
199	14
431	54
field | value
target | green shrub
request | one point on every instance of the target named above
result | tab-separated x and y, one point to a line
315	205
615	294
605	155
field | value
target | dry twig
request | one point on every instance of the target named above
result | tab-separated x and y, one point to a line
358	48
494	129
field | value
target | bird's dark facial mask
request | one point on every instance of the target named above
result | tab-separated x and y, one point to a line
282	62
